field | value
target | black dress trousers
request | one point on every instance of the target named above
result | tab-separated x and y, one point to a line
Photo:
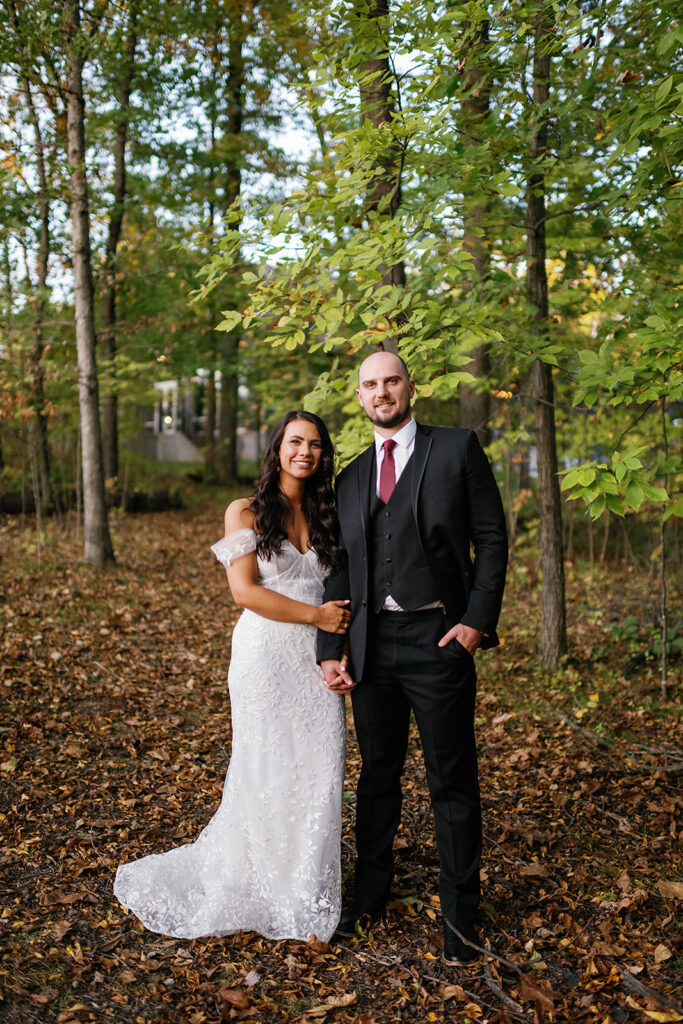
407	670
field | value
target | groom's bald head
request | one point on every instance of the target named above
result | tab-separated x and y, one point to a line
383	363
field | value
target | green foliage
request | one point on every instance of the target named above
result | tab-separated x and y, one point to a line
298	266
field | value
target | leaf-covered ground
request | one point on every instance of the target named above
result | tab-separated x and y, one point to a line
114	740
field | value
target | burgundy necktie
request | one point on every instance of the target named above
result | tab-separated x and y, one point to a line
387	473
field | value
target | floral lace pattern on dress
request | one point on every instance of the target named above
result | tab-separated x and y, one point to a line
231	547
269	859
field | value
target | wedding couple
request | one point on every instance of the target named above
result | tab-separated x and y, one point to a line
387	587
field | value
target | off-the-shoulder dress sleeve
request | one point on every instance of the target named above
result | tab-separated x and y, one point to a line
234	545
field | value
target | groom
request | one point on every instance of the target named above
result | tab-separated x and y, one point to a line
409	508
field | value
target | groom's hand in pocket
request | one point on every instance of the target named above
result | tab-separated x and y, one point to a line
469	637
336	676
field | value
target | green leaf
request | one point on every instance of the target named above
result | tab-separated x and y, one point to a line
675	509
615	505
571	478
232	318
634	495
656	493
667	42
597	507
663	90
508	188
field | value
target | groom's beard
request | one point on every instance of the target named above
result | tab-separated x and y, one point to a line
390	417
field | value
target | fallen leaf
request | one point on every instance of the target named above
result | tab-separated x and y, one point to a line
333	1003
661	1016
233	997
671	890
537	992
623	881
58	929
454	992
534	870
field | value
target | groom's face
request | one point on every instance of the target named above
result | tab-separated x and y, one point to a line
384	390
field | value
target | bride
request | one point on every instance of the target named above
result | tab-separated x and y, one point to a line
268	861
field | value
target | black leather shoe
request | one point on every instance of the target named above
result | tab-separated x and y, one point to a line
358	913
457	953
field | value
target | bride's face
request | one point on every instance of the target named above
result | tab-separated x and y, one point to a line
300	450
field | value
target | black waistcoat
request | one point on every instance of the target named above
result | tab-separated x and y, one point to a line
397	562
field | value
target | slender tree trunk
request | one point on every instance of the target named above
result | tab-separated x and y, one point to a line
210	451
377	105
109	313
605	538
97	540
7	265
42	456
232	147
39	432
210	405
663	611
570	535
475	401
553	640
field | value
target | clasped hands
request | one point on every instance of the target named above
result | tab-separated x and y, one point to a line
338	680
336	677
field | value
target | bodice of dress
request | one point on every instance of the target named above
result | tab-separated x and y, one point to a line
289	571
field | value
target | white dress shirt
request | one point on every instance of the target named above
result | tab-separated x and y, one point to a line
405	443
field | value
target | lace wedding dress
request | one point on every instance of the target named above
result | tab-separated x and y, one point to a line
268	860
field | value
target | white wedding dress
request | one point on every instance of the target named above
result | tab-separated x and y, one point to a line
269	859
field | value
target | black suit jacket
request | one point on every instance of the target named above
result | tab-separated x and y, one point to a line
456	502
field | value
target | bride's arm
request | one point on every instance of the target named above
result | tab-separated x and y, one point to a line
333	616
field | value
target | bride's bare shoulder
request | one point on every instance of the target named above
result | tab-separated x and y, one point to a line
239	515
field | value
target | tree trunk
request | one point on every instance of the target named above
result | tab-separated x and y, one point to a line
475	401
7	265
663	553
108	333
229	345
210	404
377	106
97	540
553	640
42	456
39	432
210	451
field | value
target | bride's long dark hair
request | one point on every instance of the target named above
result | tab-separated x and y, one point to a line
272	508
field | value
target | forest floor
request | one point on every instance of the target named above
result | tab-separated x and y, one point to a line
115	724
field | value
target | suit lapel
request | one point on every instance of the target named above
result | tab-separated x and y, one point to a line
365	465
423	443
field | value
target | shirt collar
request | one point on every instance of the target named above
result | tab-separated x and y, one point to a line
404	437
